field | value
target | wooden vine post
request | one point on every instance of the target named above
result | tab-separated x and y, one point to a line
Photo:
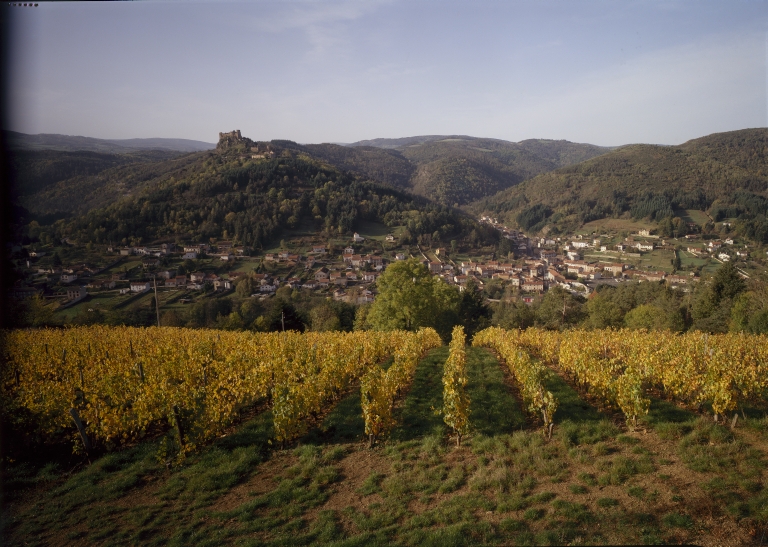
81	429
179	426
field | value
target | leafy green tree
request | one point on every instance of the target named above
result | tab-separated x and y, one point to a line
245	287
361	318
653	317
676	261
750	308
284	313
602	312
233	321
409	298
35	313
516	315
323	318
559	309
666	228
171	318
644	316
473	312
56	259
714	298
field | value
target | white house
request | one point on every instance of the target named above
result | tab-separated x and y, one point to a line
140	286
357	238
76	293
191	255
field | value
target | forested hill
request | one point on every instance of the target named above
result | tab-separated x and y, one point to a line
229	193
460	170
452	170
52	178
35	170
725	174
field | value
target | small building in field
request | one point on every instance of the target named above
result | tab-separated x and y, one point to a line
140	286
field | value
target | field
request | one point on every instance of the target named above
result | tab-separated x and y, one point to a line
699	217
616	225
676	477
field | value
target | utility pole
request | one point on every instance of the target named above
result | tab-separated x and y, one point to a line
157	303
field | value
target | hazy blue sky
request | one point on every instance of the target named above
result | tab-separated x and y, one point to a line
604	72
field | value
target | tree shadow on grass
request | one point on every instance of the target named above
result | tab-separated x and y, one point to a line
570	405
343	424
493	408
662	411
417	417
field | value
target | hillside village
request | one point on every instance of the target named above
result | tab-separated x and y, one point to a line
184	273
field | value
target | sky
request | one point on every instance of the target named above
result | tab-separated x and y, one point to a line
601	72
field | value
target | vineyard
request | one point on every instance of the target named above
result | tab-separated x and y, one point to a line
212	437
620	367
114	383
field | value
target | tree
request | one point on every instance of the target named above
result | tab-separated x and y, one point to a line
666	228
504	248
245	287
409	298
750	308
603	312
35	313
283	314
516	315
559	309
713	300
361	318
171	318
323	318
56	259
473	312
644	316
676	261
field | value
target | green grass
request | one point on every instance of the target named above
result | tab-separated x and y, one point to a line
493	410
570	407
417	417
372	230
343	424
693	215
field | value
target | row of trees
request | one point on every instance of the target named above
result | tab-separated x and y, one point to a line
721	303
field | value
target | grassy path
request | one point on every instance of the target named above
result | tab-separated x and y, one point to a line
493	409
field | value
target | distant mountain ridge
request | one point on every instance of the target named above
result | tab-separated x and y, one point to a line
453	169
70	143
406	141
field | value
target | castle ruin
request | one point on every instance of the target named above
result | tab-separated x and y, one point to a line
231	137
